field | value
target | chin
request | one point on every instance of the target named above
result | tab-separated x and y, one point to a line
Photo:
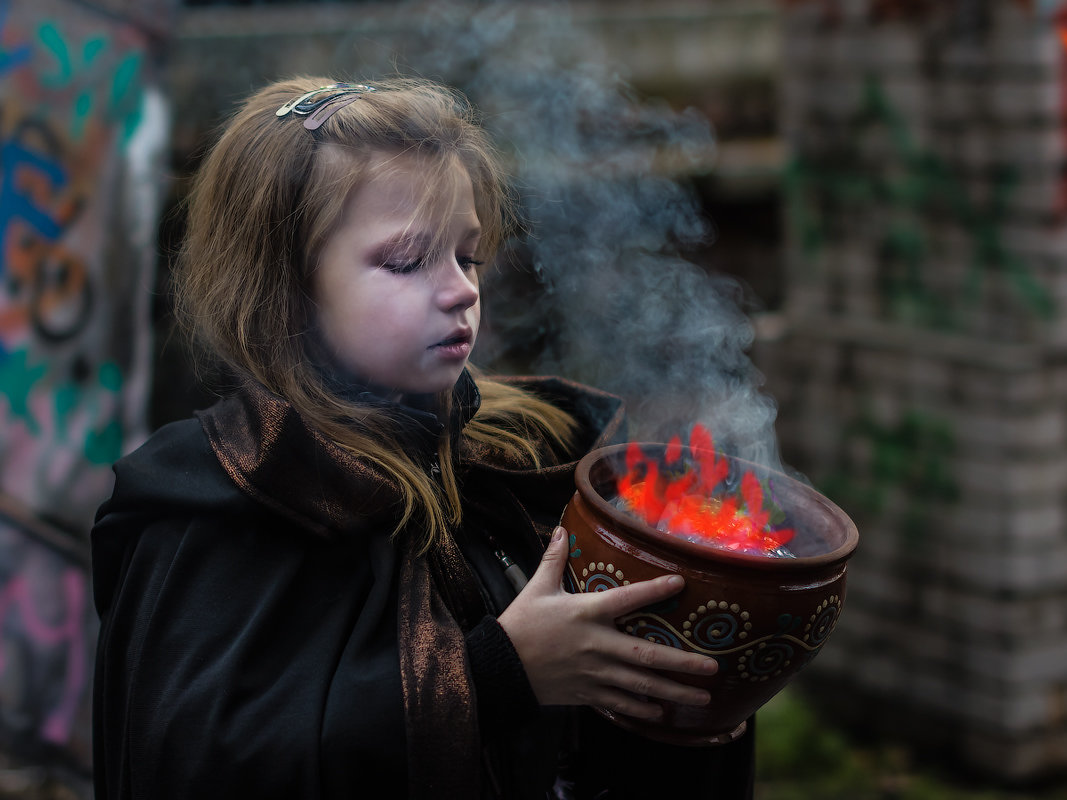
441	384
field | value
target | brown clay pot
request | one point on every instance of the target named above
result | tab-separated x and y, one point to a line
763	618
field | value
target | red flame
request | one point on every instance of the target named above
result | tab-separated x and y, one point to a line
687	504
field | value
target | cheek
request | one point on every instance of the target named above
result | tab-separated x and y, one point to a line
341	316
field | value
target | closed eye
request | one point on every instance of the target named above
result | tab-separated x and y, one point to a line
468	263
405	267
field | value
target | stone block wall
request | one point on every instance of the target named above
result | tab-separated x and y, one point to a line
922	375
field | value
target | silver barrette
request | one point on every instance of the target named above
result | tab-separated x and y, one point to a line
319	105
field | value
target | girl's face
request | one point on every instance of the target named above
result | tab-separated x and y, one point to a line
393	310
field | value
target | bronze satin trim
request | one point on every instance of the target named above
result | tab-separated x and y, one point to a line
443	744
257	437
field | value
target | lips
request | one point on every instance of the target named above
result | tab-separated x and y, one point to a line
458	337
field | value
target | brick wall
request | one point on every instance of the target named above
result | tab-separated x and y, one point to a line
922	375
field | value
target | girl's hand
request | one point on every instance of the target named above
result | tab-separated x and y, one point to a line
574	655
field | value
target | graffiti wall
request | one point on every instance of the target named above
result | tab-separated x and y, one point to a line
82	131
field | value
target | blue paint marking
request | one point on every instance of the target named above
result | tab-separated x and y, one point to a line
20	55
13	204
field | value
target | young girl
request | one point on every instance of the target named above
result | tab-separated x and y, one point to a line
308	590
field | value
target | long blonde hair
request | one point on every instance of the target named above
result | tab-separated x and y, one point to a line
264	202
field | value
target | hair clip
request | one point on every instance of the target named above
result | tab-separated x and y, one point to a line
319	105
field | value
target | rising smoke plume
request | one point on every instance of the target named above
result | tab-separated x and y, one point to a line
605	297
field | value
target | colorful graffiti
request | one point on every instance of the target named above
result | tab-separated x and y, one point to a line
45	628
73	100
76	126
116	99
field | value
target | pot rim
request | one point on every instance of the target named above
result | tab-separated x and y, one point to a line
702	552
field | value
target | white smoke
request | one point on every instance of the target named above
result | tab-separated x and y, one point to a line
606	298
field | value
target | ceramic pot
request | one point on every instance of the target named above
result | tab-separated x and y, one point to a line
764	618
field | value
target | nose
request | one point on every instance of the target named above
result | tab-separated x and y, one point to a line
458	289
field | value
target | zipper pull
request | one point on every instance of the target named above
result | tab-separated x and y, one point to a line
512	571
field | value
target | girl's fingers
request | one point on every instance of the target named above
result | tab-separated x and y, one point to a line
621	600
549	572
616	646
574	654
629	705
646	684
639	652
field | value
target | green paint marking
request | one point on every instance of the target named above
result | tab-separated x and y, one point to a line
17	379
124	81
127	96
92	48
65	400
53	41
105	445
110	376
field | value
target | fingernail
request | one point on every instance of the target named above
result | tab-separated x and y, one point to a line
557	534
674	581
710	665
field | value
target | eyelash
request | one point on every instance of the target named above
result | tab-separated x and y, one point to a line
404	269
466	263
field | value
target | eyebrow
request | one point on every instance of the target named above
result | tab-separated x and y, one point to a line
422	239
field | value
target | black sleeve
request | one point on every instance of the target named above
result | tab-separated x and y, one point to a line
504	694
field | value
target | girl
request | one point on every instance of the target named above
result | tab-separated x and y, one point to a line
307	591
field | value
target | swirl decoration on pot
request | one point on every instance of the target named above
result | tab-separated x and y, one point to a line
766	660
823	621
722	629
598	577
654	631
